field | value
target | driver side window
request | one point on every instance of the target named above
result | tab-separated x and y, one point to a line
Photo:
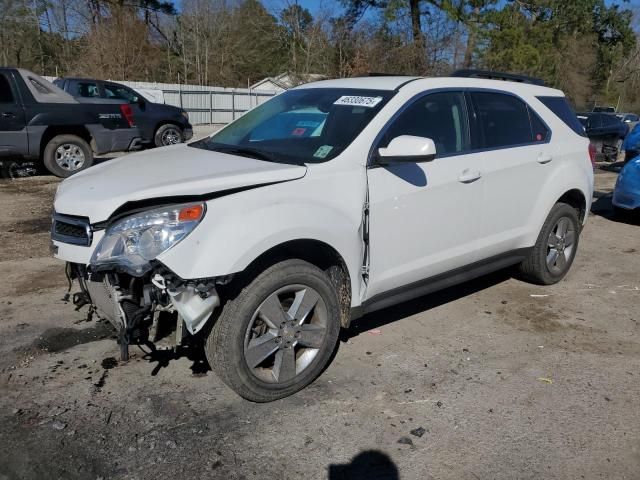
439	116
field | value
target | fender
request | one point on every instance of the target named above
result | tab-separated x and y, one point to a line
574	174
239	228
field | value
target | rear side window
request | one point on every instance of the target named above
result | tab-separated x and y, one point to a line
564	112
86	90
505	121
5	90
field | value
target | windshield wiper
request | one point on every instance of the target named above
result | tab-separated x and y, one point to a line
245	152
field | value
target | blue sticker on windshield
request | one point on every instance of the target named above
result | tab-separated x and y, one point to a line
307	123
323	151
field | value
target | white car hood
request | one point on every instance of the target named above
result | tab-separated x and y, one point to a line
166	172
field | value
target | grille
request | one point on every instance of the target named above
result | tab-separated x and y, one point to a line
74	230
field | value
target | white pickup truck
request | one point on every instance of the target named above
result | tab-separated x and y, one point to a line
331	200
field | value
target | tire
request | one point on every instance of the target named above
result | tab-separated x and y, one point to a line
231	347
168	134
65	155
536	267
13	169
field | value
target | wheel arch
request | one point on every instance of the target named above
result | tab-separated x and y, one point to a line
53	131
317	253
576	198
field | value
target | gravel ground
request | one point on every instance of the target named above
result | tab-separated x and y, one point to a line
491	379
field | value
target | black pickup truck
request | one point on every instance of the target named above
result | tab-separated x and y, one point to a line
38	121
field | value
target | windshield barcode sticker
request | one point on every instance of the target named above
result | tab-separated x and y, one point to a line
354	101
323	151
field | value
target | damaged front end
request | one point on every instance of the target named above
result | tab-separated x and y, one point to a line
126	284
158	309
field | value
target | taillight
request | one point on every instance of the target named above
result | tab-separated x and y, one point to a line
127	113
592	154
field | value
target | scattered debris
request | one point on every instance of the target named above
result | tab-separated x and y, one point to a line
58	425
545	380
375	331
439	404
538	295
405	441
418	432
171	444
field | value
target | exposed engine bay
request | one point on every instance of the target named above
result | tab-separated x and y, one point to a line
147	310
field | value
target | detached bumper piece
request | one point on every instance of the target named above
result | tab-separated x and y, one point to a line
156	310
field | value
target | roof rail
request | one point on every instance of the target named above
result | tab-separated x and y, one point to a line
511	77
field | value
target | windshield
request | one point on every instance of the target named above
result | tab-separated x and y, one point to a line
300	126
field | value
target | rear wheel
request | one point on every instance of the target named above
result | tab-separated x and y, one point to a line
556	247
65	155
168	134
278	334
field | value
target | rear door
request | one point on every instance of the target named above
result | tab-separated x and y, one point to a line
424	217
13	132
516	161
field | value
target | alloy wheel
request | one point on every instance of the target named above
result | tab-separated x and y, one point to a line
70	157
285	333
171	136
560	245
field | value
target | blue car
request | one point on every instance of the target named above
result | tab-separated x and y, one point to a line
626	195
631	145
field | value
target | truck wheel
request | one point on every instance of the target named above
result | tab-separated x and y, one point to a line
278	334
555	249
168	134
65	155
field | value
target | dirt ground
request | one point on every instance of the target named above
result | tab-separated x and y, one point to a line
493	379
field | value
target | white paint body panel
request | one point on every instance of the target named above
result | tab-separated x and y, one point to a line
416	229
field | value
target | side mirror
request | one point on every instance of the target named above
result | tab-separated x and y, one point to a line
407	149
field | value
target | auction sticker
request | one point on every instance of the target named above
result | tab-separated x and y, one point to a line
323	151
356	101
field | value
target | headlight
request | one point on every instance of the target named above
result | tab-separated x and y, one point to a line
185	115
131	243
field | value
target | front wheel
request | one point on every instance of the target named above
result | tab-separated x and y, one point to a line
65	155
554	251
278	334
168	134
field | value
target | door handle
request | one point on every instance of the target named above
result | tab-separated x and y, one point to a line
8	115
469	176
544	158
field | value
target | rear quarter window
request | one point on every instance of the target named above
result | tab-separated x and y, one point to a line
561	108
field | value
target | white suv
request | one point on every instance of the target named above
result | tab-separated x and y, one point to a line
329	201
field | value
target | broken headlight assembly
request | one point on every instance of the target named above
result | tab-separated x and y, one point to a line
131	243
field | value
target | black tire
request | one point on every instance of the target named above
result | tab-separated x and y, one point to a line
12	169
82	155
535	267
168	134
227	345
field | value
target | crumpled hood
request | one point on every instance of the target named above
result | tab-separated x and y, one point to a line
171	171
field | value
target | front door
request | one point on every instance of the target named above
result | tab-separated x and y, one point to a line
424	217
13	131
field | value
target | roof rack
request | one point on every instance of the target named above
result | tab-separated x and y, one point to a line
488	74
